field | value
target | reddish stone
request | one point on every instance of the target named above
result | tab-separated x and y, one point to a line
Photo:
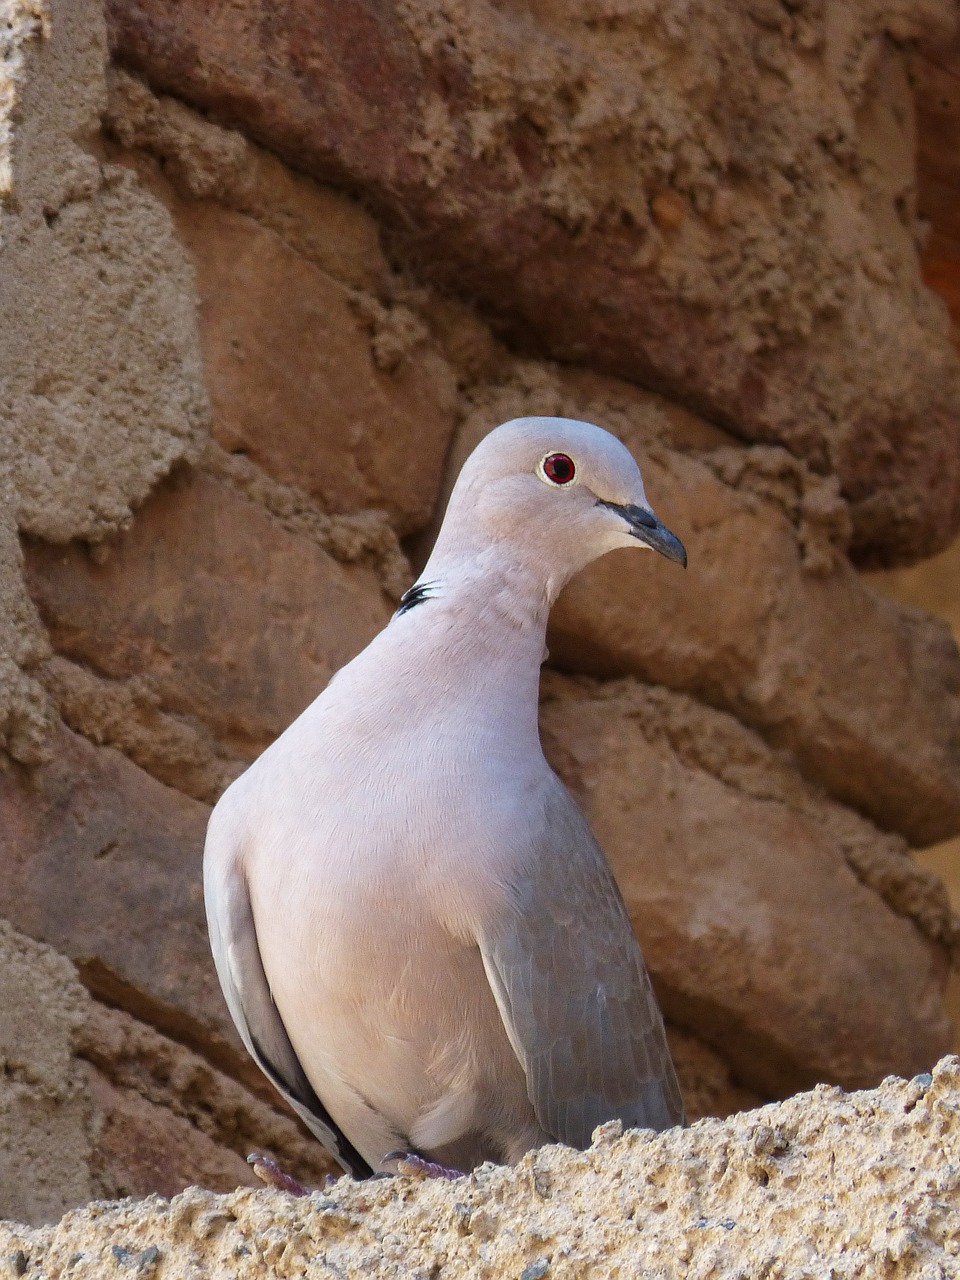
293	381
239	622
935	72
144	1149
104	864
547	220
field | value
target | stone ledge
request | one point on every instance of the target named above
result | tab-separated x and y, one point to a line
826	1183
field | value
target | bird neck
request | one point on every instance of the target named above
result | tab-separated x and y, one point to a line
479	635
503	601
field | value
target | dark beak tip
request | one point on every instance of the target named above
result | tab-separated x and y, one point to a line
678	555
651	531
668	544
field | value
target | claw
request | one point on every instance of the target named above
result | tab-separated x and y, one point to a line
409	1162
268	1171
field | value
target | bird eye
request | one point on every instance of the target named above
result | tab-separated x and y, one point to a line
558	468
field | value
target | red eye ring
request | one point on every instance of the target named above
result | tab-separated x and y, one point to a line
558	468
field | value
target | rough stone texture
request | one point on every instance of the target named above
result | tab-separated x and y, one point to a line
238	623
100	381
933	586
299	382
758	903
725	192
47	1124
943	860
199	160
865	694
846	1185
95	1103
26	717
127	714
168	1118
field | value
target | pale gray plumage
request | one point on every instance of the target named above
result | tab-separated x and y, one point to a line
574	993
417	935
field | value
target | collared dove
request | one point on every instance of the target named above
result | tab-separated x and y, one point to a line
417	935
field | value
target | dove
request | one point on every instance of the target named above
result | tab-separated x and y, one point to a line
417	935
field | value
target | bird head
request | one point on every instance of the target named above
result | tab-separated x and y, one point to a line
554	493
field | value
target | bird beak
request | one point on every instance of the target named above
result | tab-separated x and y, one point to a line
646	528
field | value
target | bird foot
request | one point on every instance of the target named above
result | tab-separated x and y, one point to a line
268	1171
409	1162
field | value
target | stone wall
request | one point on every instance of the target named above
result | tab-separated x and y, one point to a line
263	285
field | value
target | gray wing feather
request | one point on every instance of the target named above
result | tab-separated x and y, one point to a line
574	992
236	954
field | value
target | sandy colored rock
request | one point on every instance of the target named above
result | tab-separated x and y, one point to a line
364	537
851	1185
169	1118
944	860
104	350
238	623
176	749
104	358
100	382
769	621
27	717
757	929
47	1119
933	586
143	1149
723	191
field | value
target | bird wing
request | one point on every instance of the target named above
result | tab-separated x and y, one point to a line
574	992
236	953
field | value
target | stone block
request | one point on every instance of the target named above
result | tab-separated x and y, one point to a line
238	622
104	864
320	385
